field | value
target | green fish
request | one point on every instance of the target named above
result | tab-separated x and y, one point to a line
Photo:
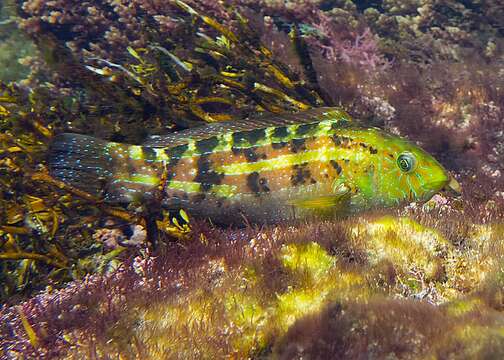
265	170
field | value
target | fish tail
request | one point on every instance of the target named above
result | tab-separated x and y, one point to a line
80	161
110	171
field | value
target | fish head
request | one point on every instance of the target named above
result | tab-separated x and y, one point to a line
404	172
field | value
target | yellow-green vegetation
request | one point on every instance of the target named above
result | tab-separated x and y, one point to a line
237	307
53	233
402	241
309	259
400	290
423	286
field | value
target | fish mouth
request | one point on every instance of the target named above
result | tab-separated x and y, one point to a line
453	187
450	186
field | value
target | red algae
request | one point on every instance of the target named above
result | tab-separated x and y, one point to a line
81	279
273	277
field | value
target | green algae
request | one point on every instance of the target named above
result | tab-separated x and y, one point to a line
427	285
240	306
309	259
404	242
14	45
280	283
461	307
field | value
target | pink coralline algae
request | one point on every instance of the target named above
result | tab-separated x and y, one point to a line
360	50
106	29
423	281
285	291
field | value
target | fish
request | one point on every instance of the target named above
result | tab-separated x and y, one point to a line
271	169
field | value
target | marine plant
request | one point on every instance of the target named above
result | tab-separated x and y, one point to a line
84	279
105	99
250	291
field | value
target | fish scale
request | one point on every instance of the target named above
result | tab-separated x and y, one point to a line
270	169
226	166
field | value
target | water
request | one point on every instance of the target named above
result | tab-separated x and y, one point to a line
81	278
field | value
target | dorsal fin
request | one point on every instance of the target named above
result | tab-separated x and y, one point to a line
261	122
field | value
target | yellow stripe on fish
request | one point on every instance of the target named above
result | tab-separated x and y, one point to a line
237	140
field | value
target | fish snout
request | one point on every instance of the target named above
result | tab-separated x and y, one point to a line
453	187
448	185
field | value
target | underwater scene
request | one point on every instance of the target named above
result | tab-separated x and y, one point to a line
238	179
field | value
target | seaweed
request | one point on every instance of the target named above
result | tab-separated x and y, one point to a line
82	278
258	292
214	73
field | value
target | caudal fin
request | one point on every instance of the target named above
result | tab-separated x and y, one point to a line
81	161
116	173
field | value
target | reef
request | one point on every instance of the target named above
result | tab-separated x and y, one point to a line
381	284
82	279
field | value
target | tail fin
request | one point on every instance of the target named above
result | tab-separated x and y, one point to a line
81	161
116	173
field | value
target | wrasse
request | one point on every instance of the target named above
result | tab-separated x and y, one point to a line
265	170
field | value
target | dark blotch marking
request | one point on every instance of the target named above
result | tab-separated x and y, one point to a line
257	184
244	138
176	151
342	141
301	174
174	154
336	166
206	176
263	183
238	139
250	154
280	132
372	150
254	136
363	145
253	182
337	140
306	128
148	153
346	161
345	141
340	124
391	156
206	146
279	145
298	145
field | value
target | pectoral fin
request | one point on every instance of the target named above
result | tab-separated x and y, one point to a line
324	202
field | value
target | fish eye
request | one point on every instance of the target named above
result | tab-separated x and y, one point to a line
406	162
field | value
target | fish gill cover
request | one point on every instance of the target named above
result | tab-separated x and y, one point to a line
84	279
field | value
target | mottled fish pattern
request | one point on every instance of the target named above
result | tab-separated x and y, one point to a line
264	170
